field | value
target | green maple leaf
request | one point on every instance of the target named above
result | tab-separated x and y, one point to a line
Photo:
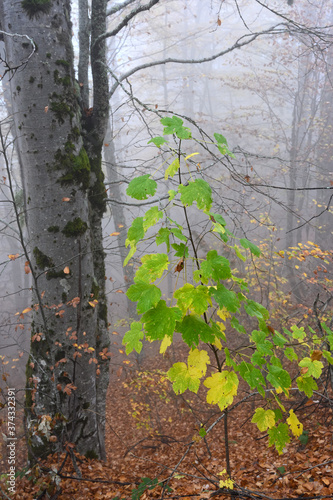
181	250
174	125
222	388
184	378
160	320
234	322
151	217
136	232
290	354
177	232
163	236
255	379
279	436
215	267
199	191
298	333
251	246
188	377
134	235
195	299
225	298
141	187
314	367
279	378
255	309
257	359
132	338
145	294
265	419
279	339
194	327
328	356
307	385
158	141
172	169
152	267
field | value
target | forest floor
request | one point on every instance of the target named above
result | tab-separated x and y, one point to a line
152	433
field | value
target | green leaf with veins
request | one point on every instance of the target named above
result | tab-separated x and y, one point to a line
132	338
199	191
141	187
163	236
279	378
158	141
161	320
195	299
314	368
215	267
177	232
136	232
174	125
152	267
279	437
193	328
225	298
307	385
145	294
181	250
251	246
151	217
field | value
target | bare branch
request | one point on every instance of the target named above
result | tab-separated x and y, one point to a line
117	8
241	42
9	68
126	20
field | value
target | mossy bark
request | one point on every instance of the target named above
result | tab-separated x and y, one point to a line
63	185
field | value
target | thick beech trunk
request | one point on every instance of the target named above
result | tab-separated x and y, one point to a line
63	183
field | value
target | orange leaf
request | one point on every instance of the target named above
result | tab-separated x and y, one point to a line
27	269
66	270
316	355
115	234
13	257
219	21
46	109
120	225
66	199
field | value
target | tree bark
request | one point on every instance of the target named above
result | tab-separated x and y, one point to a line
67	378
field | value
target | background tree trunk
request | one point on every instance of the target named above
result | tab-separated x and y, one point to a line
67	377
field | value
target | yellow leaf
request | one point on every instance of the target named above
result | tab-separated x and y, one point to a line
295	425
116	233
28	309
165	344
190	156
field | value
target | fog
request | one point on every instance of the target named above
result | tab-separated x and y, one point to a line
272	99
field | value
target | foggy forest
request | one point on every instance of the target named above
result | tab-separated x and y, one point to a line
166	249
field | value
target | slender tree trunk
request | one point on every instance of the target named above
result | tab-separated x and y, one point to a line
66	375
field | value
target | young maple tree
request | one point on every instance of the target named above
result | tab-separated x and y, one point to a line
207	308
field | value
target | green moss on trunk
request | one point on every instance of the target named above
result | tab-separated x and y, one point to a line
75	228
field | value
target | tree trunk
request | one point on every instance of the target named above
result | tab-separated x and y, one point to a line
67	378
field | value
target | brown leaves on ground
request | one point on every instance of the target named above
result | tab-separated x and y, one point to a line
149	430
